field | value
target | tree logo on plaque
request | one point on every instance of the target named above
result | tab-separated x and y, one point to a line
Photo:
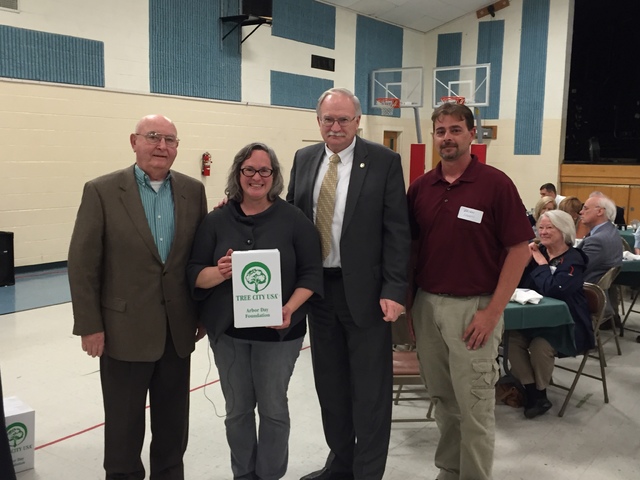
17	433
256	276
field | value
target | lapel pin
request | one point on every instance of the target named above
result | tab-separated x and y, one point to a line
362	165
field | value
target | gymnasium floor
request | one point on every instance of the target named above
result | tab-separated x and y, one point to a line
43	365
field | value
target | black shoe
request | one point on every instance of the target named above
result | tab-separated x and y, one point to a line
606	325
539	407
326	474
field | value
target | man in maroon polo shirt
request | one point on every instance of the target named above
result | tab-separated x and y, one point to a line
470	246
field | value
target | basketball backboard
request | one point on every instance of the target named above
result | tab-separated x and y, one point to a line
404	85
468	81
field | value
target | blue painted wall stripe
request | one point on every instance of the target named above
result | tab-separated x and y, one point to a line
490	50
305	21
378	45
49	57
448	55
531	76
290	90
449	49
187	55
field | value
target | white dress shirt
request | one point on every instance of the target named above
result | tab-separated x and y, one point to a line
344	173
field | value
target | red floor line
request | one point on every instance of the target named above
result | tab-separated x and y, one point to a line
69	436
53	442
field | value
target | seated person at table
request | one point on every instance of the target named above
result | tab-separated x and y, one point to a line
636	237
573	205
549	190
545	204
556	270
603	246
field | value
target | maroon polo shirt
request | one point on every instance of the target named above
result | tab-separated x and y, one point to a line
464	256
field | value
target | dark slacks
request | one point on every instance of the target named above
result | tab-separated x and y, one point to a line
6	462
353	373
124	389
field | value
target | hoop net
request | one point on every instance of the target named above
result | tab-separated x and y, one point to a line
387	104
453	99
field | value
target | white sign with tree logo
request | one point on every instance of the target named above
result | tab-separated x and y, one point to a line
257	289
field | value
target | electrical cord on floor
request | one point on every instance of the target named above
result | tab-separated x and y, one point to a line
206	383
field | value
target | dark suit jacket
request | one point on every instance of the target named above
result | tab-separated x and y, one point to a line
604	250
119	284
375	240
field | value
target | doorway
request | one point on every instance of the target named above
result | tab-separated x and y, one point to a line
391	140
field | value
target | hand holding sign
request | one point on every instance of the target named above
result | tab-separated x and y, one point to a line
224	265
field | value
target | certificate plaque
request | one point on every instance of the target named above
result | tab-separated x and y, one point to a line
257	289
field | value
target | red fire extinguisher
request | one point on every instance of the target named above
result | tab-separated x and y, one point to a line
206	164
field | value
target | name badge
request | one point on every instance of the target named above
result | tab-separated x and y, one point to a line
470	214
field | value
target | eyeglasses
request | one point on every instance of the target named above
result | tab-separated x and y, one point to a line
250	172
154	139
342	121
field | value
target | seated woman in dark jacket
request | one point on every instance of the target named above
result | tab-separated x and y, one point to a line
556	270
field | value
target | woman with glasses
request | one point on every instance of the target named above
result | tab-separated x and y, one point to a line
255	364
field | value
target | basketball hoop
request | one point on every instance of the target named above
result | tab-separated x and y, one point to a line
387	104
452	99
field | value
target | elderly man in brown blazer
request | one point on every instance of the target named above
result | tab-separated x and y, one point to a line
131	302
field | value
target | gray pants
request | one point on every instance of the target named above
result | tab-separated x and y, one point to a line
256	373
531	361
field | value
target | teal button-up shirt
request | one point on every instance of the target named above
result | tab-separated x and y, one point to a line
159	210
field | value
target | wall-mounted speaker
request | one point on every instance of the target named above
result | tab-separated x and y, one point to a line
257	8
7	269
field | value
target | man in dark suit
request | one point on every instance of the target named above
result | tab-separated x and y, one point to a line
365	270
131	303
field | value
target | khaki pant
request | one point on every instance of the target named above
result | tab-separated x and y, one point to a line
461	383
531	361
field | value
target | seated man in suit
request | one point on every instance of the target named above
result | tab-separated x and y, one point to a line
602	244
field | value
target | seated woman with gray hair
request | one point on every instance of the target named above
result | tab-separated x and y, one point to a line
556	270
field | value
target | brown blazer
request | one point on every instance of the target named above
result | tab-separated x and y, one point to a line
118	282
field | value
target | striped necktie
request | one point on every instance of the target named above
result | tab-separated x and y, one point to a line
326	204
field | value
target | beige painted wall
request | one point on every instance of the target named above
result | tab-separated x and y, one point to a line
54	138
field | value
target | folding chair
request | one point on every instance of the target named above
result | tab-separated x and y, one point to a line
596	300
625	248
406	369
605	283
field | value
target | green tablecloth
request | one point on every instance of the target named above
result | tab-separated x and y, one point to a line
628	236
629	274
548	313
550	319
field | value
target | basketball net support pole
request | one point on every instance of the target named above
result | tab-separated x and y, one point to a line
479	149
418	129
418	152
478	116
